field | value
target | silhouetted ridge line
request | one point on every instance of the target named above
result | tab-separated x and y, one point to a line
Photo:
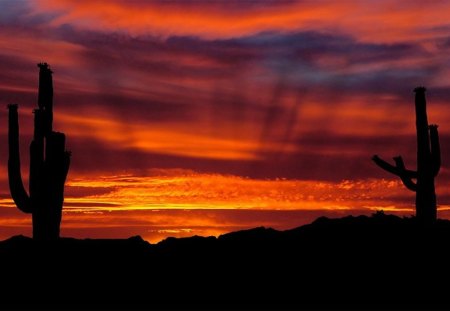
382	261
49	164
428	163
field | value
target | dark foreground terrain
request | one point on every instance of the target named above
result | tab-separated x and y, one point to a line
378	262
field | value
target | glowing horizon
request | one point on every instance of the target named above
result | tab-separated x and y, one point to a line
188	203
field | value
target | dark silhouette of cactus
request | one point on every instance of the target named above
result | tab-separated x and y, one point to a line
49	164
428	163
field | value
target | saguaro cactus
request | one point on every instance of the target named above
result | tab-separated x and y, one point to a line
49	164
428	163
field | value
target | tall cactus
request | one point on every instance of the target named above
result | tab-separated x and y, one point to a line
428	163
49	164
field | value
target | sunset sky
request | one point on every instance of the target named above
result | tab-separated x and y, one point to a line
202	117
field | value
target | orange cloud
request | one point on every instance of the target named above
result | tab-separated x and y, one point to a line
25	46
385	21
175	139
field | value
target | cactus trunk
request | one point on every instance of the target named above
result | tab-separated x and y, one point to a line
428	163
425	192
49	164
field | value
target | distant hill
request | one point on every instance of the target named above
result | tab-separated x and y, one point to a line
376	262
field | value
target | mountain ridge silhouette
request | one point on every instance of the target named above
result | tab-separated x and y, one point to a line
362	262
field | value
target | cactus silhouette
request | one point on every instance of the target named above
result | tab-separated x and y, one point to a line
49	164
428	163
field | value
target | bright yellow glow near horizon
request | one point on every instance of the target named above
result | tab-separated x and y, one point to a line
190	190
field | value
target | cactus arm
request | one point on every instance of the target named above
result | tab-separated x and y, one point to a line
398	170
409	184
384	165
404	176
394	169
435	149
18	192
